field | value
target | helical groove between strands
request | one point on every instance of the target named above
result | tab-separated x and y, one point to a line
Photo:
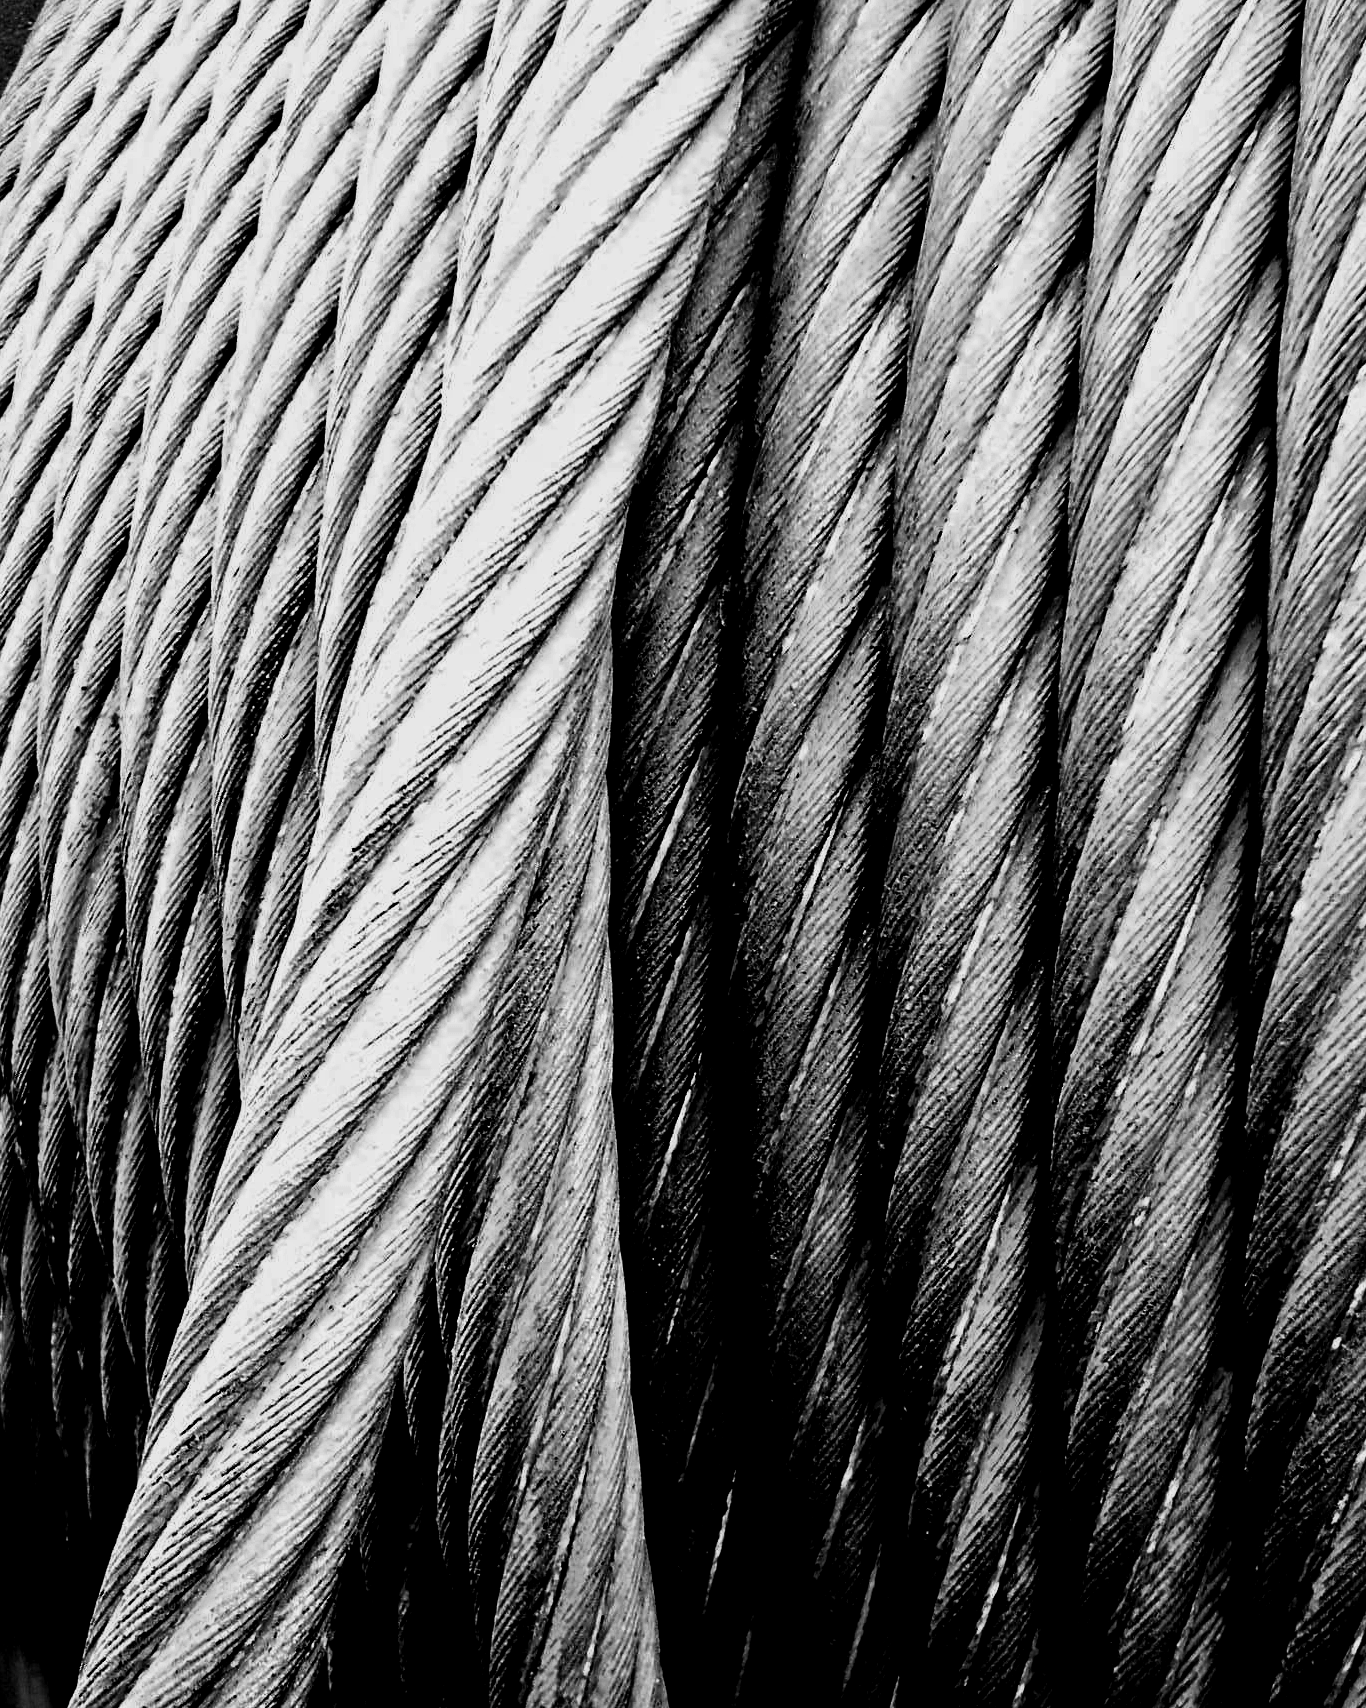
964	935
40	1158
165	818
169	902
1158	682
397	287
811	619
1306	1257
53	85
438	788
263	654
97	99
671	774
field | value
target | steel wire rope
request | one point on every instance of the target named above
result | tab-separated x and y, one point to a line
40	323
47	1333
279	1382
670	778
164	794
810	616
262	653
965	936
170	907
90	568
78	857
397	287
1306	1260
1158	691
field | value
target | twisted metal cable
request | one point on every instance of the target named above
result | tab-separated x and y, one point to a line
392	324
439	785
1306	1258
122	200
170	889
54	224
23	951
45	104
670	782
393	320
262	653
964	934
1158	686
811	611
169	901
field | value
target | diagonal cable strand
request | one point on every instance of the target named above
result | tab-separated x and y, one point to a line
480	658
1306	1255
262	651
1158	697
810	613
670	777
965	931
72	184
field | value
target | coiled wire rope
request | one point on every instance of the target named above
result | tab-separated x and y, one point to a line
1169	505
965	932
811	616
1306	1259
671	777
409	912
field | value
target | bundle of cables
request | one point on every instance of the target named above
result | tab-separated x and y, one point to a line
683	853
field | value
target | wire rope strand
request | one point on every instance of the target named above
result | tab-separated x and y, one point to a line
164	797
392	328
262	655
439	789
810	615
121	204
397	288
968	770
1158	694
1306	1259
670	779
26	1022
169	902
63	205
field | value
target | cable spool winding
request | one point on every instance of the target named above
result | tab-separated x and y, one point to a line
964	939
670	779
61	208
1306	1257
262	669
811	615
123	203
392	326
1158	690
393	320
164	799
169	902
281	1372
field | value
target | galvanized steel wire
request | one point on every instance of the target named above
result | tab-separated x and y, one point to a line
680	823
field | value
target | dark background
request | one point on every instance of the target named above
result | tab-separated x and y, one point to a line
15	18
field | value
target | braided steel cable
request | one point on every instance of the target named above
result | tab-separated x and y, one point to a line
396	294
811	611
165	765
45	104
122	199
170	906
1306	1258
262	652
1157	700
439	786
393	321
964	935
670	781
44	306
